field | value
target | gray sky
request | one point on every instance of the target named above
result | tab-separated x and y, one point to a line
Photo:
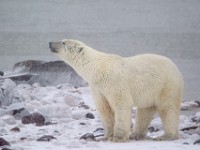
126	27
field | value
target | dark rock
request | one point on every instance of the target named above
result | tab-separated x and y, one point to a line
1	73
15	129
56	132
198	102
82	123
3	142
197	142
6	148
23	138
21	78
49	123
76	87
46	138
20	113
152	129
17	111
190	132
36	118
190	128
88	137
27	119
89	115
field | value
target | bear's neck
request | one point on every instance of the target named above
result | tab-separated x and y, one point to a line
89	64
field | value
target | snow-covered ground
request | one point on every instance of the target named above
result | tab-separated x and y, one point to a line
70	113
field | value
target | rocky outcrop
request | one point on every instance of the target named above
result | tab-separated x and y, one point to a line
46	73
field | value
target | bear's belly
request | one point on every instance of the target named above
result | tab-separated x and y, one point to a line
141	103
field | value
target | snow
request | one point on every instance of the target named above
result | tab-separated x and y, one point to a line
62	106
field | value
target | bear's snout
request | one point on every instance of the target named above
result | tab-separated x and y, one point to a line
51	46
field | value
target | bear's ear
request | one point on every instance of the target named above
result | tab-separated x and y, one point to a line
80	49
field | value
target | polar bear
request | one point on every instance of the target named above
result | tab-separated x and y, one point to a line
149	82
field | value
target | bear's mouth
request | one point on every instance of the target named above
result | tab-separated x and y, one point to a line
53	50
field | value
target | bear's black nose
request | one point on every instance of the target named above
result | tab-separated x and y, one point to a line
50	44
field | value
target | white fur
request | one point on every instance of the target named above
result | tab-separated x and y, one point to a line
149	82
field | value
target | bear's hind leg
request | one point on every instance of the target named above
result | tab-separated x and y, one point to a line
170	119
143	119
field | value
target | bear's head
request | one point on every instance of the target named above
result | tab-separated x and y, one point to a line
67	49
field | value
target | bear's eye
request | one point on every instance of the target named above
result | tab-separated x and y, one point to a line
63	43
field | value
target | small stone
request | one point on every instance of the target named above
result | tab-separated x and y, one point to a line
36	118
82	104
23	138
20	113
89	115
88	137
197	142
82	123
15	129
76	87
1	73
152	129
46	138
3	142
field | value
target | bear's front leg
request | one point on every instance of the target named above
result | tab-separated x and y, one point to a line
107	118
106	113
122	126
